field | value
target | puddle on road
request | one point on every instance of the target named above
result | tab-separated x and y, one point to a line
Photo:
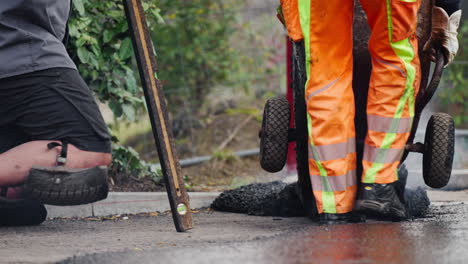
439	238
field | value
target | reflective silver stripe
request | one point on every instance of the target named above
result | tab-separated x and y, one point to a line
403	73
333	151
322	89
379	155
335	183
389	124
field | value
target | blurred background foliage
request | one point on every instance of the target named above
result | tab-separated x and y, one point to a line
454	96
195	49
203	48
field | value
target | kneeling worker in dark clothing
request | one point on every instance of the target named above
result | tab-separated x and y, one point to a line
48	116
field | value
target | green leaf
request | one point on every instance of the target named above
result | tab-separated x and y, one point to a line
108	35
126	49
72	30
80	42
156	13
83	54
94	75
78	5
131	82
115	14
93	61
122	27
129	111
116	108
96	49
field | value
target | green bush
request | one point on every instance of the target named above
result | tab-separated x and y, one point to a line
193	47
193	50
191	41
126	161
101	47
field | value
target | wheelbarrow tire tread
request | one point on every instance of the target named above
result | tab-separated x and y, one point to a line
274	135
439	150
70	197
90	188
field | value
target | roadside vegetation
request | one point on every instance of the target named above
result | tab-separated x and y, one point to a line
454	96
215	68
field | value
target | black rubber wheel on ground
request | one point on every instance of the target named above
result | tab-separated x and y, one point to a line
300	124
439	150
274	134
64	186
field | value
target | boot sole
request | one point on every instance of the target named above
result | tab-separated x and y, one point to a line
380	209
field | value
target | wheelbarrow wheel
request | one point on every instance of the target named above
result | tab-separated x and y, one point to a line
274	134
439	150
66	186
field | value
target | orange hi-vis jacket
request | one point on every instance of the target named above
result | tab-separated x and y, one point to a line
326	29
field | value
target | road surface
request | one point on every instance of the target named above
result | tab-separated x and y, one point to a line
235	238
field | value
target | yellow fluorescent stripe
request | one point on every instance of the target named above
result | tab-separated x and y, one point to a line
405	52
304	17
328	198
323	171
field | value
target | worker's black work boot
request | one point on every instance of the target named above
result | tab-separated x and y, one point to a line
400	185
20	212
381	201
336	219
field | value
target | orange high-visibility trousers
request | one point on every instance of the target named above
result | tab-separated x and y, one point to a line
326	28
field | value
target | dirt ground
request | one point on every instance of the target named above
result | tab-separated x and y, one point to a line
212	176
221	175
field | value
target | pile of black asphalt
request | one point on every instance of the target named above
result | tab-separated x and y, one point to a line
282	199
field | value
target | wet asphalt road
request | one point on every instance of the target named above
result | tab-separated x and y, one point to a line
441	237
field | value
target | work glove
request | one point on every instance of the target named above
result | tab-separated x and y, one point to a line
444	34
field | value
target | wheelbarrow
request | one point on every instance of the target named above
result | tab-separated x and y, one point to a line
275	134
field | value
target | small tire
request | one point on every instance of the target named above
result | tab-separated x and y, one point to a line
439	150
274	134
64	186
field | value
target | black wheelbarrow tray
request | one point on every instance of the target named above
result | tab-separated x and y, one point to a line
437	149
